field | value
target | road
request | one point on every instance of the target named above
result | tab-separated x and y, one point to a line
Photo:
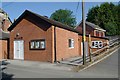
107	68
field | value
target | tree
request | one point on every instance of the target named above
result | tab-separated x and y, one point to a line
110	28
106	16
64	16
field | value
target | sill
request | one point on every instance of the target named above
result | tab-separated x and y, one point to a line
38	49
71	47
96	48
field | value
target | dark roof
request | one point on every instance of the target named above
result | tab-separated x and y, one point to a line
4	35
50	21
92	25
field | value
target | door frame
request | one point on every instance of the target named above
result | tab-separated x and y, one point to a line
19	49
86	44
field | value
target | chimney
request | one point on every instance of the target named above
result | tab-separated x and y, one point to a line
14	20
46	16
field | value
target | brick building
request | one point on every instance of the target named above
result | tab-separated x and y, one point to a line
5	22
92	29
37	38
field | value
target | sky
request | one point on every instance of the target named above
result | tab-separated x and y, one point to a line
15	9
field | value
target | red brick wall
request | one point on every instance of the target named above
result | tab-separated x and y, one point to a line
99	39
29	30
80	40
89	30
62	44
3	49
92	39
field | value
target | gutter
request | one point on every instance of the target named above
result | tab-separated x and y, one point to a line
100	29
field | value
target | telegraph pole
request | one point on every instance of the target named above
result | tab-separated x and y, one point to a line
84	35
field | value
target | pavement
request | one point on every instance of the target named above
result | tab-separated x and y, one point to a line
107	68
37	64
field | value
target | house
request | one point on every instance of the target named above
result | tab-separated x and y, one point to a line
37	38
4	41
92	29
5	22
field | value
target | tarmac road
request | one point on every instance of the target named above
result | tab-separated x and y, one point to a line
107	68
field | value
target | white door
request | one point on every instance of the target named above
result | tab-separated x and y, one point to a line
81	48
18	49
86	48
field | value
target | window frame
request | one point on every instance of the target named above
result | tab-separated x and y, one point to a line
71	45
96	44
97	33
35	41
101	44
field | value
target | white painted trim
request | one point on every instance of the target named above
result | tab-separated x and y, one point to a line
19	48
98	45
81	48
100	29
73	43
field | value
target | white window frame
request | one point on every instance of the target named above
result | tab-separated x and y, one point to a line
42	44
101	44
32	44
96	44
37	44
71	45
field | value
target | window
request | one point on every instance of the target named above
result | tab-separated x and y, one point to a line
37	44
97	44
97	33
71	43
102	34
32	45
42	44
100	45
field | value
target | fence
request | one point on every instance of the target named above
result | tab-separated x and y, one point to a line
113	41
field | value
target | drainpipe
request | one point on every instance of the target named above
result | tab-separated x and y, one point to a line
55	58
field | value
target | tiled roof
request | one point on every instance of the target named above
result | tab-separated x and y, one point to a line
94	26
50	21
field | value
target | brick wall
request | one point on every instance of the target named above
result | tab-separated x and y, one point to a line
89	30
3	49
30	30
92	39
62	44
